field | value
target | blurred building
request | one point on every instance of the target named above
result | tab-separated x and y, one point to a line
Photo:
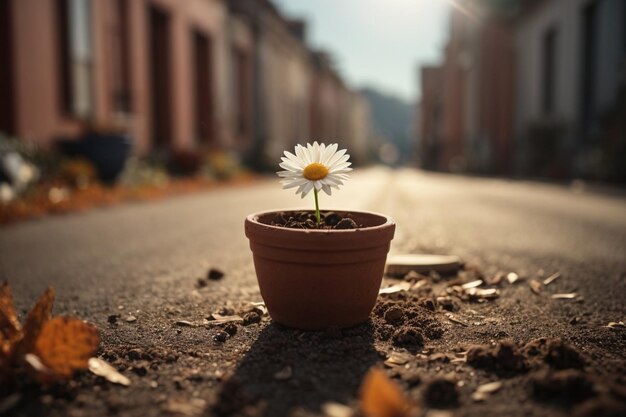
175	74
571	89
155	68
530	87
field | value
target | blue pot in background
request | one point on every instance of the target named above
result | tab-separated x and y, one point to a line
107	152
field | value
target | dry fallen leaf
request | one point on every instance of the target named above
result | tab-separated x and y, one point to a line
10	328
36	319
65	345
9	324
101	368
380	397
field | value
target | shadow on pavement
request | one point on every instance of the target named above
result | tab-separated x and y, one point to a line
288	369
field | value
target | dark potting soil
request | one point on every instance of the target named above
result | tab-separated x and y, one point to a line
308	220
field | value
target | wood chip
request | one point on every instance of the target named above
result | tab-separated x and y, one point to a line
419	284
259	307
512	277
131	319
490	387
456	320
566	296
551	278
403	286
184	323
485	390
181	406
284	374
616	325
472	284
397	359
219	319
333	409
535	286
489	293
101	368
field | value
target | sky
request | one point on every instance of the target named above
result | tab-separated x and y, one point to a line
379	43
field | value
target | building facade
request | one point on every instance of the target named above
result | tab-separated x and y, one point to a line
570	83
534	88
467	101
175	74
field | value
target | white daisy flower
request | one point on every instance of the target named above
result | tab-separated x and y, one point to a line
316	167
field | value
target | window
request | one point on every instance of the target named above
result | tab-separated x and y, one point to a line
76	57
549	70
588	53
241	71
120	56
203	92
7	116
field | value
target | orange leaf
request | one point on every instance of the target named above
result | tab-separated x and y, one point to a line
65	345
9	324
35	320
10	328
380	397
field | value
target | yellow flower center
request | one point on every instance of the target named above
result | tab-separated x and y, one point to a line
315	171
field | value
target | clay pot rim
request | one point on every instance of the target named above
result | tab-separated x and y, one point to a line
254	218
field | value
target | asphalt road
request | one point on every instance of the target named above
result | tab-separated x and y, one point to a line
107	254
144	258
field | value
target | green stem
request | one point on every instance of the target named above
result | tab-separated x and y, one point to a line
317	207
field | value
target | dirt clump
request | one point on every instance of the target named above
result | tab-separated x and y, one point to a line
402	319
555	353
601	406
409	337
441	393
568	385
504	356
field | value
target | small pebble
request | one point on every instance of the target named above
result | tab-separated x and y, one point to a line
346	224
220	337
135	354
215	274
140	370
251	318
231	329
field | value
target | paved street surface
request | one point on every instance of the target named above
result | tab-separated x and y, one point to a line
144	259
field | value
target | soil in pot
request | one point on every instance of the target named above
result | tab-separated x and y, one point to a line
308	220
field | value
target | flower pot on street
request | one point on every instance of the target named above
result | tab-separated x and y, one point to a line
316	279
108	152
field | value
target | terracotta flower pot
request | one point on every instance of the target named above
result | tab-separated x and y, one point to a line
316	279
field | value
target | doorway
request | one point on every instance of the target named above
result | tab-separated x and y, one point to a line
159	44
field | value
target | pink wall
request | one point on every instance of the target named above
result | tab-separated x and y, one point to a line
37	70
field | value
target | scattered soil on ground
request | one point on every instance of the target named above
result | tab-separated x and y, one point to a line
439	337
